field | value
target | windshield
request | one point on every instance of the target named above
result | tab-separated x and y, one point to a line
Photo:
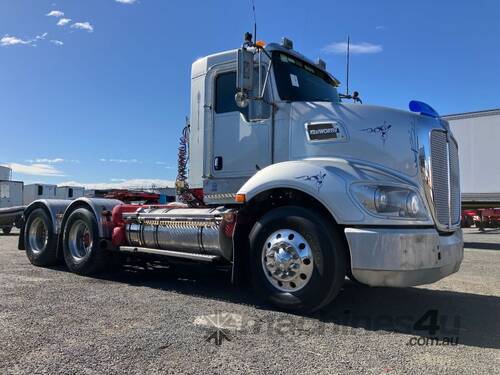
299	81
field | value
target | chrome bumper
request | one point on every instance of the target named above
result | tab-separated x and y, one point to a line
403	257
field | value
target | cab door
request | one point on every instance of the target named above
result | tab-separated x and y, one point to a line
240	147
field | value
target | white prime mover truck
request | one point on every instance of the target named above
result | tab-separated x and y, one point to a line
288	184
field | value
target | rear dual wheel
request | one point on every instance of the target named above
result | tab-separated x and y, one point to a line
39	239
297	259
81	248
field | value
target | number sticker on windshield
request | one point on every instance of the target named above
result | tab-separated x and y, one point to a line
295	80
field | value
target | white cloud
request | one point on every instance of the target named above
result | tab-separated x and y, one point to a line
164	164
55	13
121	161
46	160
57	42
380	27
116	183
8	40
354	48
35	169
83	26
63	21
126	1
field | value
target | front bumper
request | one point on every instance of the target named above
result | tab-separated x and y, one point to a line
403	257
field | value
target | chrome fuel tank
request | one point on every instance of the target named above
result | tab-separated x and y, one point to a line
183	229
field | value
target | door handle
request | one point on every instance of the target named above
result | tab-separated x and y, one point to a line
218	163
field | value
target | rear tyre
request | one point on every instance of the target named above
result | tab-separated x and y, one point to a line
39	239
6	230
81	249
297	260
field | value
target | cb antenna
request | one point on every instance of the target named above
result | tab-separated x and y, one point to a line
254	22
347	68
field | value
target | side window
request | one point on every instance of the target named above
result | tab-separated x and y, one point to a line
70	193
225	90
40	190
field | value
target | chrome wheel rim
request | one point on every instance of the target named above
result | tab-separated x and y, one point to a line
80	240
38	236
287	260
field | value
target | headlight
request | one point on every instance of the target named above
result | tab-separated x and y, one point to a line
390	201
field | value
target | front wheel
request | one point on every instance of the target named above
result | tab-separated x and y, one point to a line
6	230
297	259
81	249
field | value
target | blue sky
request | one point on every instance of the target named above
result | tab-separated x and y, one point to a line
102	97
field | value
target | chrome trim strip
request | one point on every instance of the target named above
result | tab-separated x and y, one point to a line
170	253
449	177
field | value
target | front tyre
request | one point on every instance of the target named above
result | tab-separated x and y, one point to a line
81	249
297	260
6	230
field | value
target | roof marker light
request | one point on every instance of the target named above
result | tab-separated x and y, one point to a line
423	108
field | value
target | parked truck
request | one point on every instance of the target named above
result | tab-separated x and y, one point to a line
288	183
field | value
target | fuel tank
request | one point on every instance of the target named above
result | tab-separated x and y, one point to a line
206	231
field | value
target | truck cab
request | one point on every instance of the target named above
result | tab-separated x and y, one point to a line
299	188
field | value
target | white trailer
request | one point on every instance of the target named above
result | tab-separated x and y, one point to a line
478	136
69	192
33	192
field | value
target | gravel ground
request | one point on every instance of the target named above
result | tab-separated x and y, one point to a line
158	321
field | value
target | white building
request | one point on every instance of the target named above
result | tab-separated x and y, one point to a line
5	173
69	192
11	193
32	192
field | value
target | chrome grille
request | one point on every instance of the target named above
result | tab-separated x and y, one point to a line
445	179
456	204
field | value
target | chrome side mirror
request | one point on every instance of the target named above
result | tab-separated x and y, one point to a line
244	72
